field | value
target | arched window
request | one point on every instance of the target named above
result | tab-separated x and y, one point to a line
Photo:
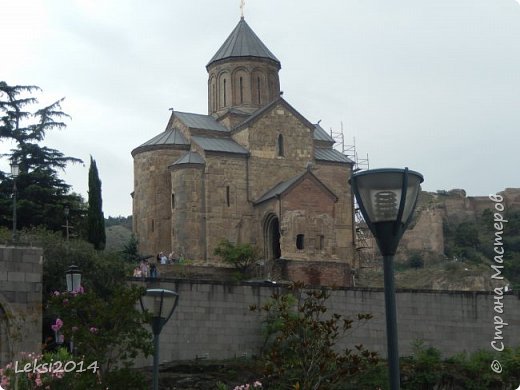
279	146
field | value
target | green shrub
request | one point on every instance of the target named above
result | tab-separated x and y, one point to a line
241	256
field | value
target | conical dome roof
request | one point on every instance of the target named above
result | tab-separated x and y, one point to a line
243	42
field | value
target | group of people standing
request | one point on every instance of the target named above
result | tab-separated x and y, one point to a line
146	269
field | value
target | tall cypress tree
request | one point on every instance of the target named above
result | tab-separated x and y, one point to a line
95	219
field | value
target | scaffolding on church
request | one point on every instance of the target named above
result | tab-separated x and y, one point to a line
364	242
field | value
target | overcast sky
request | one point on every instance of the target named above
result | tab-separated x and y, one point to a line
432	85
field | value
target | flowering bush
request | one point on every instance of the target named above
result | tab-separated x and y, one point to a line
108	331
41	371
256	385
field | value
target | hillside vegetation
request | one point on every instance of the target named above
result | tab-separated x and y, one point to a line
467	260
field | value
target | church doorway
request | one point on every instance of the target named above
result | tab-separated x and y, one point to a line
272	237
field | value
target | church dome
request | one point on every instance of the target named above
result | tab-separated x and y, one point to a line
243	74
243	42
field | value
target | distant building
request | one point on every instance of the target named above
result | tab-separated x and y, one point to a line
253	170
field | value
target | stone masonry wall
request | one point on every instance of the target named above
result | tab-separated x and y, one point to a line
228	213
213	319
20	301
152	199
266	168
308	210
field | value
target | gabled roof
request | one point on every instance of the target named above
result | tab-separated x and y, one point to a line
199	121
285	186
189	158
223	145
243	42
321	135
260	112
331	155
170	137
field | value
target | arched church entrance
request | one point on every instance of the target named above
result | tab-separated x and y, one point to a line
272	237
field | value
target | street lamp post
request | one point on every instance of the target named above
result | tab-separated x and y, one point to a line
387	199
160	303
15	170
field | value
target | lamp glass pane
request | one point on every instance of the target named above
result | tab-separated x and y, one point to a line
15	169
152	302
412	192
168	303
76	281
385	204
68	278
381	192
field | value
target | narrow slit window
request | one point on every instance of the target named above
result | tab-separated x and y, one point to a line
241	91
225	93
173	201
228	202
280	146
153	225
300	241
258	89
214	97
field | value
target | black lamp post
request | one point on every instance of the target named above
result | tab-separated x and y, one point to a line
15	171
160	303
73	278
387	199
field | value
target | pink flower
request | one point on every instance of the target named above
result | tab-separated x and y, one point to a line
81	290
57	325
93	329
38	381
257	384
65	301
56	293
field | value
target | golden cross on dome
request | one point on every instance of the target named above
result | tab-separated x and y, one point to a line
242	3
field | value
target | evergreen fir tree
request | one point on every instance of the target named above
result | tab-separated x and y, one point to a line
42	195
95	218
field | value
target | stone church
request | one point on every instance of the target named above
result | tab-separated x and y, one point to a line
251	170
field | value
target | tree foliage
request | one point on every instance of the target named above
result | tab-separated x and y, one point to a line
130	252
241	256
95	217
300	350
42	195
